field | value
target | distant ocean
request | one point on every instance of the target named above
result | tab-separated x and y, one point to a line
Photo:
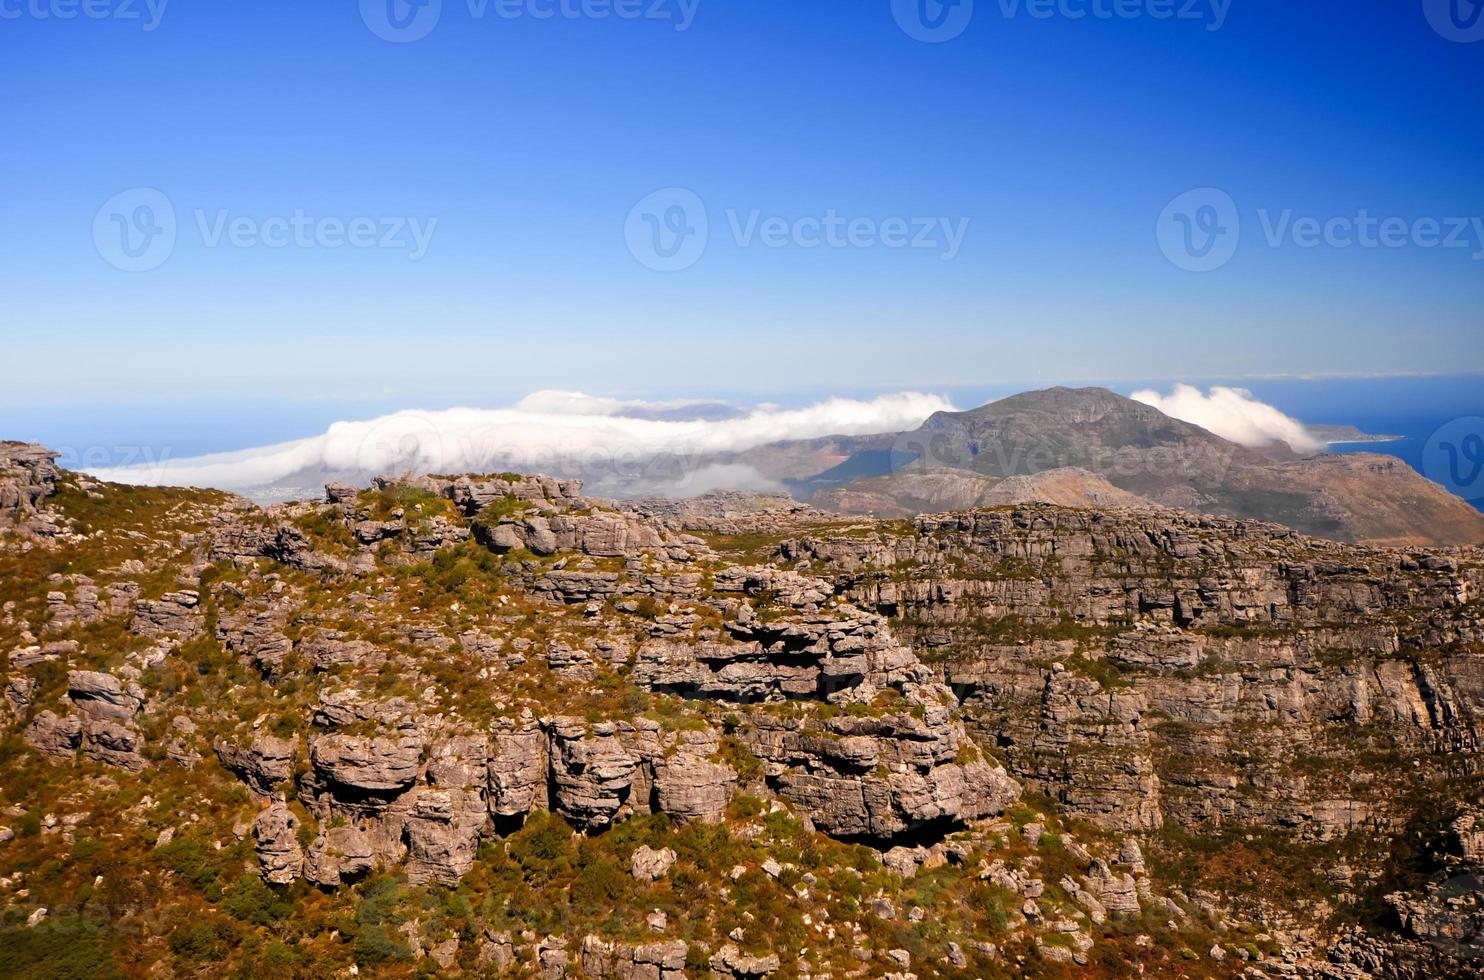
1414	408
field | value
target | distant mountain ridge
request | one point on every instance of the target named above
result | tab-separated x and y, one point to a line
1138	450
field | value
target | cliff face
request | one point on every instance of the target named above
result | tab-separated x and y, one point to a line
1187	677
1143	668
779	737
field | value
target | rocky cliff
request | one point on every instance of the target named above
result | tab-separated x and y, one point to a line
487	724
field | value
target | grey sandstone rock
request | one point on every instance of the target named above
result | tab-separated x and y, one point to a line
263	764
649	961
103	695
339	854
651	865
28	475
730	962
280	857
443	835
376	765
173	614
517	767
329	648
55	736
592	772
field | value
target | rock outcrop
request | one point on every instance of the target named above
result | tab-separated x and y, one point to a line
647	961
279	853
102	723
175	614
263	765
28	475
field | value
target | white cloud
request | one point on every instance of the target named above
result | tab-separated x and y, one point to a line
553	432
553	402
1234	414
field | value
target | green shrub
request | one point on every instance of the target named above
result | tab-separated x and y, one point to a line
744	763
249	900
544	848
375	944
58	950
744	805
201	942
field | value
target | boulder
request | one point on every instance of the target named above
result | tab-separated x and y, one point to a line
592	772
327	649
55	736
28	475
103	695
651	865
689	785
443	834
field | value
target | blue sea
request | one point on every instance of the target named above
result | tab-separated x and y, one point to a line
1440	420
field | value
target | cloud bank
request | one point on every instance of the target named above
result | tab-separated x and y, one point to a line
564	433
1234	414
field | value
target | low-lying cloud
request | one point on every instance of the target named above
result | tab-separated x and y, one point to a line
1232	413
563	433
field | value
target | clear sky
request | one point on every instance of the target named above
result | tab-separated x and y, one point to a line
1051	146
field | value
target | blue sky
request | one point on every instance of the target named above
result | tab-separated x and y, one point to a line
1056	143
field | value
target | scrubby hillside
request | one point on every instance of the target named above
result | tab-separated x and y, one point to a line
486	725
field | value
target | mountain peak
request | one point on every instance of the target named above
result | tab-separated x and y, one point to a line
1142	451
1072	404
